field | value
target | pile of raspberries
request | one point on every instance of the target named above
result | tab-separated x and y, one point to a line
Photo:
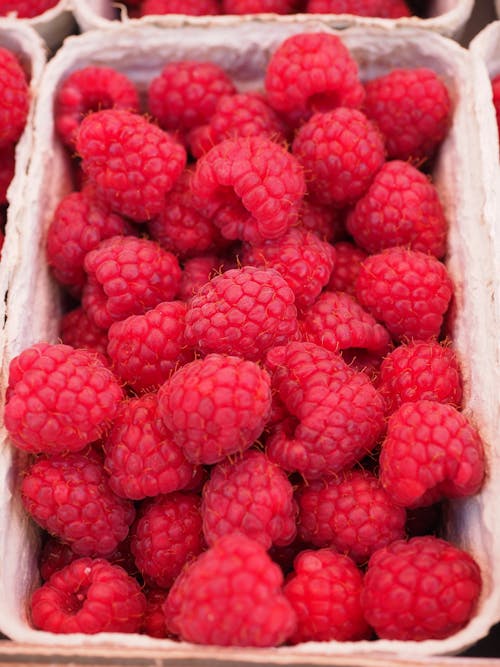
249	429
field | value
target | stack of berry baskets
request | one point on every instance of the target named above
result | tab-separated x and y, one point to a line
447	18
252	365
52	19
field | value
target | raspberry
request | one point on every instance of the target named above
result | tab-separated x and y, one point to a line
141	458
341	151
186	92
251	496
153	622
167	535
243	312
182	227
325	593
89	596
231	596
258	6
216	406
348	258
7	169
79	224
190	7
420	370
196	272
312	72
386	9
412	108
431	451
407	290
131	162
14	98
324	221
59	399
304	261
337	322
79	331
128	276
146	349
69	496
90	89
401	207
351	513
495	89
425	588
26	8
260	180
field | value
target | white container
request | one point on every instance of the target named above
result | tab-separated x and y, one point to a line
54	24
463	177
447	17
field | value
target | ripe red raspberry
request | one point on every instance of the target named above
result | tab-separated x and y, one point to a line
252	496
79	331
196	272
351	513
495	89
420	370
385	9
131	163
243	312
90	89
146	349
190	7
186	92
338	322
216	406
128	276
59	399
153	622
312	72
425	588
325	593
348	258
412	108
431	451
14	98
323	220
407	290
79	224
401	207
166	536
258	179
89	596
231	596
341	151
7	169
141	458
26	9
69	496
258	6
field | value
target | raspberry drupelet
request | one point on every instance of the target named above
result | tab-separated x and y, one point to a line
348	258
14	98
196	272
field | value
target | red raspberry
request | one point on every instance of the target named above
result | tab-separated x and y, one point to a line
128	276
324	221
352	514
146	349
303	259
59	399
90	89
7	169
14	98
69	496
258	6
216	406
89	596
182	227
337	321
141	458
348	258
26	9
251	496
325	593
412	108
425	588
242	311
386	9
258	179
231	596
131	162
420	370
166	536
79	331
186	92
401	207
153	622
79	224
196	272
190	7
495	89
341	151
407	290
312	72
431	451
